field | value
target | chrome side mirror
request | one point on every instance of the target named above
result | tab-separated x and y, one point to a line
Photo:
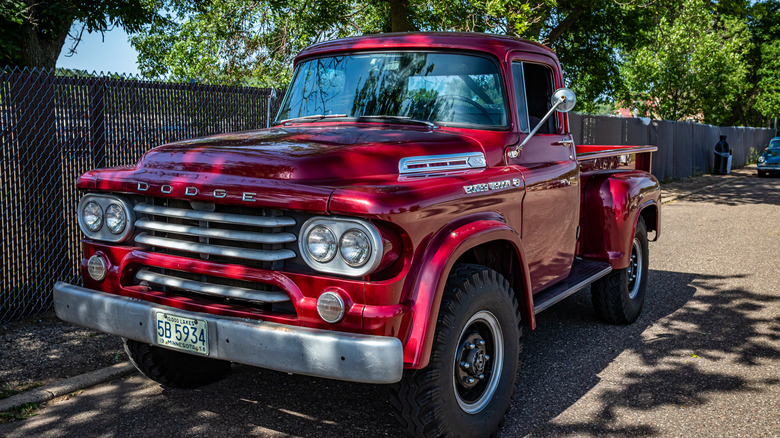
563	100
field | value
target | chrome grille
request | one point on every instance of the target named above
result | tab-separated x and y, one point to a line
199	230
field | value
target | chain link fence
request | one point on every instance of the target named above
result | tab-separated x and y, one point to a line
56	125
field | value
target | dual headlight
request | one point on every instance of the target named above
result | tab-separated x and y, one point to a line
105	217
341	246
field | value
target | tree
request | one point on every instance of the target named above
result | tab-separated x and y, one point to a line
693	67
33	32
768	99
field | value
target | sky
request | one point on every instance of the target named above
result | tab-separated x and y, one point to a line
110	52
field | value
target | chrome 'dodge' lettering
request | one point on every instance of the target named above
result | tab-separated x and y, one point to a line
497	185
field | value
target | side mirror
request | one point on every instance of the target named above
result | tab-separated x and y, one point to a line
563	100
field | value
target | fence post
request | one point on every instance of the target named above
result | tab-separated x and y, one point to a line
97	121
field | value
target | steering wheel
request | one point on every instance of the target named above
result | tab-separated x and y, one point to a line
463	99
485	114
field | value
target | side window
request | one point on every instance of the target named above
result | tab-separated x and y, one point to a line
539	88
522	109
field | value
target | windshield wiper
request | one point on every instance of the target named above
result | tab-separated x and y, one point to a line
400	119
312	118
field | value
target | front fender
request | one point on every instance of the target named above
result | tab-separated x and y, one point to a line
610	210
439	257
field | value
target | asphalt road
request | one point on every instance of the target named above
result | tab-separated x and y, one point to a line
703	359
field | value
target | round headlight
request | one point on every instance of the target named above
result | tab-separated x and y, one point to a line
116	219
92	216
355	247
761	158
321	244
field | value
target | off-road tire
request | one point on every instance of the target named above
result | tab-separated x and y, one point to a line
616	298
172	368
429	402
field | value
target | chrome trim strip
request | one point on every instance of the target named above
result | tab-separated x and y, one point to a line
291	349
472	160
211	288
215	233
616	152
225	218
217	250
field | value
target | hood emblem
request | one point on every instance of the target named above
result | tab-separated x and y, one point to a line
442	163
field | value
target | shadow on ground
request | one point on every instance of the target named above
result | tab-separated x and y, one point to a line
563	358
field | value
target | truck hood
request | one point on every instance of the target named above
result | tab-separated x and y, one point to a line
315	155
290	167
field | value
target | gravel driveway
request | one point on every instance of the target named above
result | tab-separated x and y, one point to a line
703	359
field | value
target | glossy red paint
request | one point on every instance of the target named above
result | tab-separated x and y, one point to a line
611	206
428	220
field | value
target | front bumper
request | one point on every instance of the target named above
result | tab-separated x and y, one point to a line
300	350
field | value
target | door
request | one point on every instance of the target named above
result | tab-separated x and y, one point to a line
552	201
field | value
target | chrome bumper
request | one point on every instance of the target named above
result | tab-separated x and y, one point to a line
292	349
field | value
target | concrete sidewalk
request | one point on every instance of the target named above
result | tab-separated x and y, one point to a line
671	191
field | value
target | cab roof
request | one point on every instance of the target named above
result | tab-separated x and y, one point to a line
497	45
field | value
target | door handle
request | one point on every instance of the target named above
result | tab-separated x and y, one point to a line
565	142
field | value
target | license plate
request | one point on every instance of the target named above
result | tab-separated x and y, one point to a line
182	333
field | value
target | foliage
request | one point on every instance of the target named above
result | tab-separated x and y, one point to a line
768	99
238	41
33	32
693	67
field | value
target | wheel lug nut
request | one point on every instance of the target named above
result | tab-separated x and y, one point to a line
481	377
471	346
465	365
469	380
480	342
487	358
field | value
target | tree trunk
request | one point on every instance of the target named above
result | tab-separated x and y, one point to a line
42	38
399	16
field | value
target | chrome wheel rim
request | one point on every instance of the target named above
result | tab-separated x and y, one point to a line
635	269
478	362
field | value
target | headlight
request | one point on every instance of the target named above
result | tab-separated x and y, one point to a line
93	216
116	219
355	247
761	159
358	243
321	244
96	210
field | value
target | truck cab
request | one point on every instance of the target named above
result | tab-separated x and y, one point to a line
418	200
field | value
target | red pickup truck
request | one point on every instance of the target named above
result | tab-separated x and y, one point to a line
417	202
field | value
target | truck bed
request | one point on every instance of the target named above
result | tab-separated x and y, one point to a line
615	157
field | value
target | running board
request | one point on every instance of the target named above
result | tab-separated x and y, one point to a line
583	273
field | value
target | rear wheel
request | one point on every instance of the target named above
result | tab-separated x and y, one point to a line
467	386
618	297
173	368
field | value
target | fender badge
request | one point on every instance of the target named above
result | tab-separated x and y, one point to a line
498	185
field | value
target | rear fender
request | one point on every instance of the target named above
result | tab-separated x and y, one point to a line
611	208
439	257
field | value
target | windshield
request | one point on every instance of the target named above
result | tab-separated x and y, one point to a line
774	144
438	87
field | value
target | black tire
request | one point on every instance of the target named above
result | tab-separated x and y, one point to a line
478	316
172	368
618	297
762	174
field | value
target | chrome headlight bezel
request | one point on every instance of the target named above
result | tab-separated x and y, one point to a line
104	201
339	226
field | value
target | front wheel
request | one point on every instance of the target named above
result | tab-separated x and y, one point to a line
467	386
172	368
618	297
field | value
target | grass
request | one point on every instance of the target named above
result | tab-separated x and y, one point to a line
26	410
8	391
